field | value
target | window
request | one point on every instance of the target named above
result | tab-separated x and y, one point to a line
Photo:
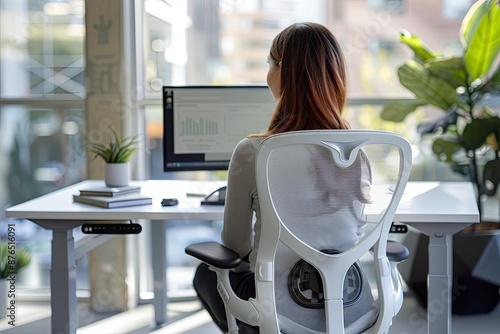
227	42
41	50
211	37
41	114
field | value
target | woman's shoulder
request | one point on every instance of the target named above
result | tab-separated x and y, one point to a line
246	150
249	142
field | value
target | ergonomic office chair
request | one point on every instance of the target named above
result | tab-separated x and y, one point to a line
324	263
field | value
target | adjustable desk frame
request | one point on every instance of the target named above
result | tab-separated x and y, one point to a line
437	209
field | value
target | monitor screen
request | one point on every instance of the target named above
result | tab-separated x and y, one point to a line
203	124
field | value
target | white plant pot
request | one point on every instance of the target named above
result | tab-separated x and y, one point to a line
117	174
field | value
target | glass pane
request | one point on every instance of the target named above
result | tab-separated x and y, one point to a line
40	151
226	42
42	48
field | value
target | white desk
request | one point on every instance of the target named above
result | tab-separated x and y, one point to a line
436	209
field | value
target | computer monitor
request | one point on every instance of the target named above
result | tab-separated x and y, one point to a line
203	124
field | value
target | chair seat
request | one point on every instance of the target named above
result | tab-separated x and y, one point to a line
288	326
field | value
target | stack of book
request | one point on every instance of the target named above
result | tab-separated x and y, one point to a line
112	197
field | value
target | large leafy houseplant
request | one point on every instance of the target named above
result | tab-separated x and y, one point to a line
467	133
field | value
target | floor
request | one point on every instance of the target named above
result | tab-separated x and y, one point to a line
187	317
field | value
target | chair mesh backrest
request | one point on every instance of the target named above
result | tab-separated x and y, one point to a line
320	185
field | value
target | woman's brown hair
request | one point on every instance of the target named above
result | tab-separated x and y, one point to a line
313	80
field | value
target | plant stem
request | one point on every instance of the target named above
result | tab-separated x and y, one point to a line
475	179
474	173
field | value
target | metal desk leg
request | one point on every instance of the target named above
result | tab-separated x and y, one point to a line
440	283
63	283
159	263
64	319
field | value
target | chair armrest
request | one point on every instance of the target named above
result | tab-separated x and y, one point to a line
214	254
396	251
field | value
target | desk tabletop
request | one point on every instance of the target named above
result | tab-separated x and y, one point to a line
59	204
432	202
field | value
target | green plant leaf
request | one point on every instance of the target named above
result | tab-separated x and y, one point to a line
470	21
3	260
422	52
22	259
125	155
427	87
117	150
483	36
115	136
449	69
496	76
445	148
440	124
491	177
476	132
494	84
462	169
396	111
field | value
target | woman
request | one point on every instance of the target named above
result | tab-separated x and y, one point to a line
307	77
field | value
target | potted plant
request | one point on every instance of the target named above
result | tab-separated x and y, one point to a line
467	133
116	155
12	260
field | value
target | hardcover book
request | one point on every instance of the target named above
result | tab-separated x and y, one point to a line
109	191
115	201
